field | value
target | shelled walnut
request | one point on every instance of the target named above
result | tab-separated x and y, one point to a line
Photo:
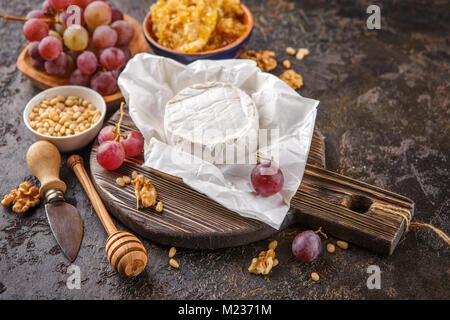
292	78
264	59
264	263
145	191
22	198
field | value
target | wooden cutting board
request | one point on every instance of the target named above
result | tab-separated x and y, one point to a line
340	205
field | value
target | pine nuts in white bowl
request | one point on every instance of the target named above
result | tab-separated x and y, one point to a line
70	117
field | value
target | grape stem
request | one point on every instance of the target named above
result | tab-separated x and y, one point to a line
259	156
320	231
119	123
14	18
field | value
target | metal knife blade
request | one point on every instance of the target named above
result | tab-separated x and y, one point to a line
67	227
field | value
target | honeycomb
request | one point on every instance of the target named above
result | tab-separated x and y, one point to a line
196	25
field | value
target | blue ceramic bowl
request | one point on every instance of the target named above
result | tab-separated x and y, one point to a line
230	51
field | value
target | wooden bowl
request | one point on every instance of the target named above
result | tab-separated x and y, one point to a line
44	81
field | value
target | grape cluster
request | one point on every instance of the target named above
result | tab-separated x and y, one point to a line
87	41
115	145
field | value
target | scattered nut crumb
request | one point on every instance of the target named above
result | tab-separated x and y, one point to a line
331	248
292	78
120	182
134	175
273	244
286	64
22	198
172	252
315	276
301	53
264	59
173	263
290	50
342	244
126	179
159	206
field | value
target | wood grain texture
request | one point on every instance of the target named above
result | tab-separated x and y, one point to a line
192	220
44	161
44	81
125	251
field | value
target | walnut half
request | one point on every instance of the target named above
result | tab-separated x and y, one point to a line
264	59
22	198
145	191
292	78
264	263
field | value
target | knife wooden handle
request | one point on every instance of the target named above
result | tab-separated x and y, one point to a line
125	252
44	161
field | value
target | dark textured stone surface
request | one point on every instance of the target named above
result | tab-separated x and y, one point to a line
384	112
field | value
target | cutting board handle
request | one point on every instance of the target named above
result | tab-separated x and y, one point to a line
44	161
351	210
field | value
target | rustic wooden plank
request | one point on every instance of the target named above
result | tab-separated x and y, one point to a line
342	206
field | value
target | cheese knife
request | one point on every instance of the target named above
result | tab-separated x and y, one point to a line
44	162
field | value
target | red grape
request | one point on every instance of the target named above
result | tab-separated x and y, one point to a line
48	9
70	65
125	32
107	134
126	51
35	30
38	14
79	79
50	48
133	143
116	73
33	50
110	155
104	83
73	54
58	66
306	246
104	37
38	64
267	179
81	3
112	58
97	13
116	15
59	4
87	62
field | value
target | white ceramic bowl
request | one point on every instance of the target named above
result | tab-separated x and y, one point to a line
76	141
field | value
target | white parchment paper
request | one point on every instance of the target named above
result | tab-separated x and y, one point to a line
149	81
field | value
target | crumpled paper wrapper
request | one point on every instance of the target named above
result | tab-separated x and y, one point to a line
149	82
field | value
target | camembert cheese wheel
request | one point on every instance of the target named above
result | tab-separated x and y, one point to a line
213	120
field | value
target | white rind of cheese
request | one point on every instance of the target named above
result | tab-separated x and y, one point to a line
213	120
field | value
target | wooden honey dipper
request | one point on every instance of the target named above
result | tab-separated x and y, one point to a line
125	252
